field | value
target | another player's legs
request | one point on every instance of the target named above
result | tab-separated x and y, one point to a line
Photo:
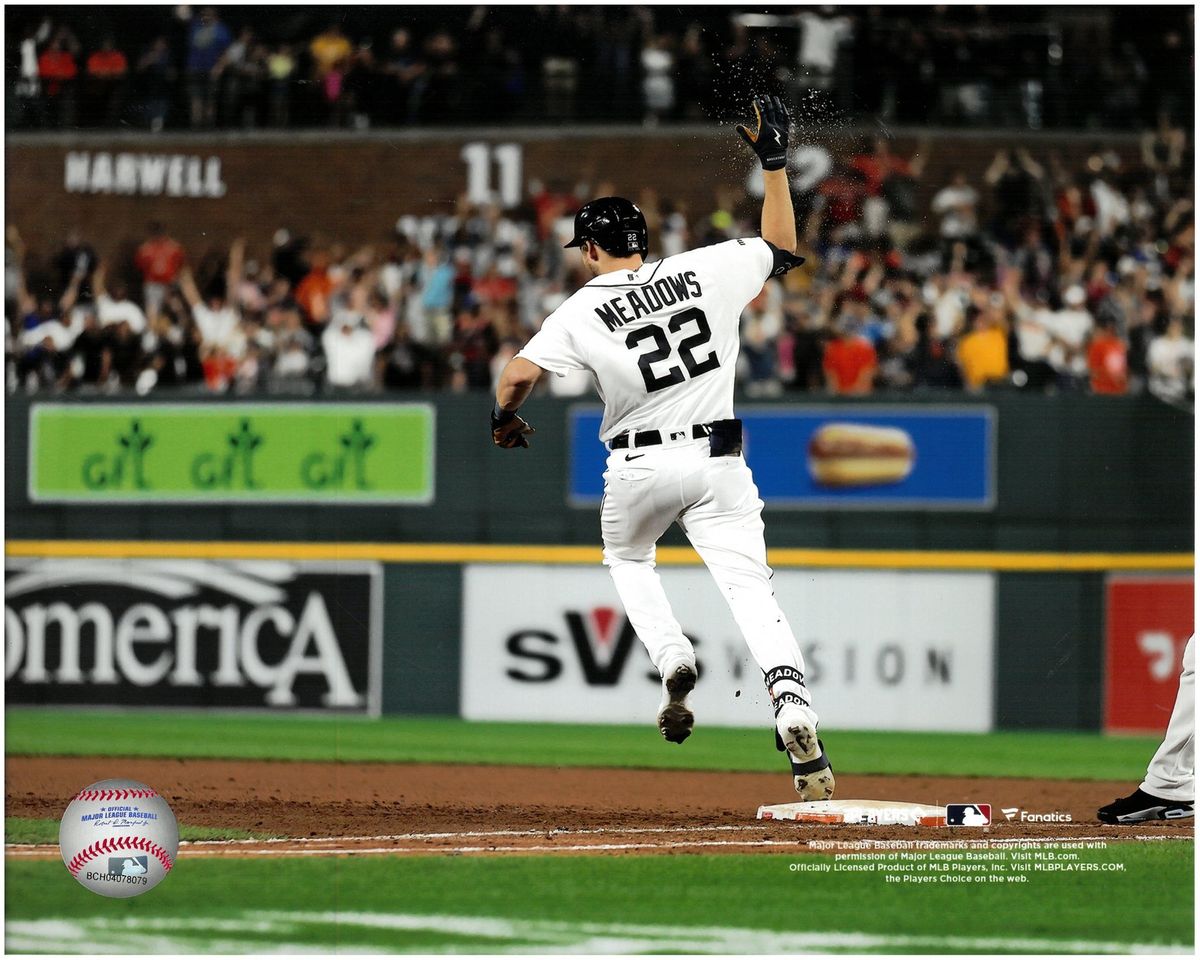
635	514
1169	790
726	528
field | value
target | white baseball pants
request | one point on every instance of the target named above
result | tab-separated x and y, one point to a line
1172	772
716	504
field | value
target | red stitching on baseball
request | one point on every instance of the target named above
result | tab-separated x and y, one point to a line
135	794
112	845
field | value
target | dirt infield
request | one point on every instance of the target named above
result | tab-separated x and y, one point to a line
334	808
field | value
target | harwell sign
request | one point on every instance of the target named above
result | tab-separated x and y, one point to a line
193	633
143	174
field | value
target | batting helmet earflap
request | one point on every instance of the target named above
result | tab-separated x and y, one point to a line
615	224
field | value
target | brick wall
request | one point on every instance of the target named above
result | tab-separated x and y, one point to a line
354	188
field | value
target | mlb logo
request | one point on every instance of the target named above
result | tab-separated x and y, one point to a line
128	866
968	814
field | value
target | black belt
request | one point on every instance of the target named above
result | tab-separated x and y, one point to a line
650	438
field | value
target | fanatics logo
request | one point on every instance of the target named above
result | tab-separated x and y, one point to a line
968	814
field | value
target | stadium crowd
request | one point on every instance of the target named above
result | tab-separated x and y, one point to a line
162	67
1024	275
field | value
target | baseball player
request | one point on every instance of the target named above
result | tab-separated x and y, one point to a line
1169	790
661	341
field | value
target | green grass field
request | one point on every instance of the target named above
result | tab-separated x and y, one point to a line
727	904
257	736
604	904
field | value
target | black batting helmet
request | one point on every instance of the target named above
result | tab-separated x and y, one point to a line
615	224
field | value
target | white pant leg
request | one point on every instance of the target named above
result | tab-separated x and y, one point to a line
641	500
725	526
1172	772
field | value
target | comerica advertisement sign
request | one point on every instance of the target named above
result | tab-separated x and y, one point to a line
200	633
232	453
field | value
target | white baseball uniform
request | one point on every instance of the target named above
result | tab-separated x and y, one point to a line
661	343
1172	771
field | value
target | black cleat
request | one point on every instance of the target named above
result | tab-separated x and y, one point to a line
1141	807
675	719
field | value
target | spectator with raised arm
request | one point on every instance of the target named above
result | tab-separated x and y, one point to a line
43	339
76	256
349	353
216	315
113	306
1016	182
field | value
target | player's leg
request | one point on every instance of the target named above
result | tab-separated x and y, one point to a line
1172	772
639	504
725	526
1169	790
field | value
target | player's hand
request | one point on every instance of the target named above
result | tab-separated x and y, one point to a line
509	430
769	139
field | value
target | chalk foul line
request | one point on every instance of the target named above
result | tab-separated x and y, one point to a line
363	932
393	843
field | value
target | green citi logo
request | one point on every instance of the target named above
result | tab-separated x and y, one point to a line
108	471
345	469
233	470
336	465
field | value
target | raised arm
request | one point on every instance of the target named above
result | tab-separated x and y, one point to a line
769	140
98	278
233	275
67	301
778	217
997	169
916	166
187	286
25	301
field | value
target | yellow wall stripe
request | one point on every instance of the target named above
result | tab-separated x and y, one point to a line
525	553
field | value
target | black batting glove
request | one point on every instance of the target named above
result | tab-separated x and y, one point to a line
509	430
769	139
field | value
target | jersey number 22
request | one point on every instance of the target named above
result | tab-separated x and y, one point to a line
662	349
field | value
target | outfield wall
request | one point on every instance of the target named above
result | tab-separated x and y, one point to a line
209	188
1057	598
1068	474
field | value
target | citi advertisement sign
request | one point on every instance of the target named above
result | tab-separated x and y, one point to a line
232	453
192	633
874	657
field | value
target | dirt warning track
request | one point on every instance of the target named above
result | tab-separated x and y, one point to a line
348	808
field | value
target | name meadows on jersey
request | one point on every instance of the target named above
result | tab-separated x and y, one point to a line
661	293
